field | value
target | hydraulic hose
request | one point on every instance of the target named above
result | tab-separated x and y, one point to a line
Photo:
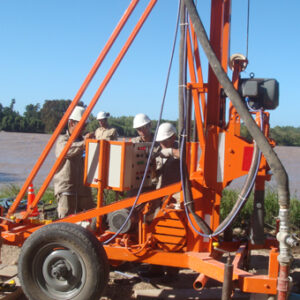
188	199
189	203
187	194
242	197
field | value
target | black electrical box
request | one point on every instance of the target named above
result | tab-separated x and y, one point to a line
261	92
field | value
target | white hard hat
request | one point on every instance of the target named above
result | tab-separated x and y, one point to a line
140	120
102	115
165	131
77	113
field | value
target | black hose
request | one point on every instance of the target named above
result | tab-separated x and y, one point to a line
263	144
242	197
188	198
245	192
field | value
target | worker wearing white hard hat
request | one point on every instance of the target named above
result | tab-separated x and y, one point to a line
72	195
142	124
167	166
104	132
77	113
140	120
165	131
167	163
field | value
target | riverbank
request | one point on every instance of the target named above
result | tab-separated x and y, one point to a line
20	151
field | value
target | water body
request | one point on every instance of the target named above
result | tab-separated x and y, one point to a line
290	158
20	151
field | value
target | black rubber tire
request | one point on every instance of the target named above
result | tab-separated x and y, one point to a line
63	261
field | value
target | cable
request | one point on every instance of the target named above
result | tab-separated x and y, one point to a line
248	20
155	134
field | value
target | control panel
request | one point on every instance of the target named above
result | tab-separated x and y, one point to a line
140	154
122	164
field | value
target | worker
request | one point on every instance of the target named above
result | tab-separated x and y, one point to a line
167	162
72	195
142	124
104	132
167	172
167	166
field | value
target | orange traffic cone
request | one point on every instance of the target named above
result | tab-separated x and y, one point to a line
30	199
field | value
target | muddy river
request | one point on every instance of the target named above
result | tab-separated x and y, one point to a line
20	151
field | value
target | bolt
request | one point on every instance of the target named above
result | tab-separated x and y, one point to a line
258	205
60	270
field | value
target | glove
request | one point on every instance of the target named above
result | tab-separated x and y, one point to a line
89	135
166	152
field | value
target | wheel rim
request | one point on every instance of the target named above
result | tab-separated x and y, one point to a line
59	271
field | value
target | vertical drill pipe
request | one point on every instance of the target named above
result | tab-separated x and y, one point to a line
227	283
95	99
283	282
182	65
78	96
257	235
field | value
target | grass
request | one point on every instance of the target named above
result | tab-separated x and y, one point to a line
12	190
8	191
228	200
271	208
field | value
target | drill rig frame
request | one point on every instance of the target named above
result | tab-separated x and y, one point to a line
217	155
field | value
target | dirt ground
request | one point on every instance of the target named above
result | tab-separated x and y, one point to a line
125	283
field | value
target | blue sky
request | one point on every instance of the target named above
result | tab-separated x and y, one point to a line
49	46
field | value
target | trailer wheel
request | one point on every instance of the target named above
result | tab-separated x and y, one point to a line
63	261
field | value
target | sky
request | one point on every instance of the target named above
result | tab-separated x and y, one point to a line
48	47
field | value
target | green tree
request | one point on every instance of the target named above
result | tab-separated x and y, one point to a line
52	112
32	119
286	135
9	119
92	124
1	112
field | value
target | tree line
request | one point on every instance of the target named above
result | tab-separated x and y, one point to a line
44	119
35	119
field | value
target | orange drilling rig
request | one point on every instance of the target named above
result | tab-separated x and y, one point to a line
64	260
